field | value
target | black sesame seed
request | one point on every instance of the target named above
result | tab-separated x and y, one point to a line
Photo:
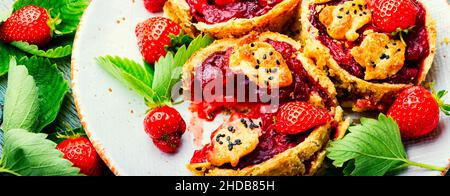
387	47
252	45
341	9
258	61
394	44
275	70
228	138
278	62
353	4
384	56
339	17
355	12
264	56
257	67
270	53
365	13
220	142
348	12
243	121
365	6
267	83
360	7
398	50
270	78
360	14
237	142
253	54
230	128
230	147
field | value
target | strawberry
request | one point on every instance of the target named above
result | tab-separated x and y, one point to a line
154	6
153	36
416	111
80	151
30	24
393	16
165	127
298	117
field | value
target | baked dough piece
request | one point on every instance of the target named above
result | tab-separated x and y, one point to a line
303	159
369	91
274	20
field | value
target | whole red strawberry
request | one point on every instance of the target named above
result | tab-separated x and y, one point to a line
82	154
165	127
393	15
416	112
29	24
298	117
153	35
154	6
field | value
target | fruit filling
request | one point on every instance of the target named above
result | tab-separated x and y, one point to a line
217	11
270	142
217	66
344	28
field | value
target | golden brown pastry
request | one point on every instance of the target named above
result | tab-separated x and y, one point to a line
235	19
369	67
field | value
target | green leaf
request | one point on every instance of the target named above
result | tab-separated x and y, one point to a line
52	87
6	52
177	41
54	52
375	147
1	142
69	11
130	73
30	154
168	69
21	99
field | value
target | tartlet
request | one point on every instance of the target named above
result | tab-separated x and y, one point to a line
257	57
232	20
342	44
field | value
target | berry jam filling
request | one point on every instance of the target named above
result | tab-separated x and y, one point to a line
213	12
416	52
217	66
270	144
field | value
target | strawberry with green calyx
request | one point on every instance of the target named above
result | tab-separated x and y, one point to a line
416	111
153	36
80	151
394	16
31	24
177	41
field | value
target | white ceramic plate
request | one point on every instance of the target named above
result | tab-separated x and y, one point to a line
113	115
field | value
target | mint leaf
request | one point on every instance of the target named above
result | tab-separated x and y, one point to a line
52	87
54	52
30	154
6	52
21	99
375	146
130	73
168	69
69	11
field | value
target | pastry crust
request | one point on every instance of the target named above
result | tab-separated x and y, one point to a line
347	82
273	20
304	159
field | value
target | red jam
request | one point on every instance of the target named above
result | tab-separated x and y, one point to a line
216	65
270	144
416	52
213	12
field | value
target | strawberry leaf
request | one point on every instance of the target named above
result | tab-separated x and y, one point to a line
6	52
168	69
21	99
30	154
54	52
130	73
69	11
177	41
52	87
376	148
